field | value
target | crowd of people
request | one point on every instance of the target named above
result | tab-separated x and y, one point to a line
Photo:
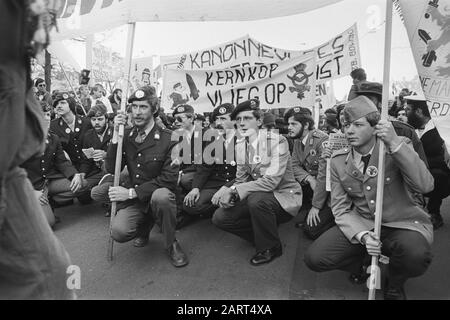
249	171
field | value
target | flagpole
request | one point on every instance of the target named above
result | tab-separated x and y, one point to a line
117	170
374	281
70	85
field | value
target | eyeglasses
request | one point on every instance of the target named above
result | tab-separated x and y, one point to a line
179	119
42	85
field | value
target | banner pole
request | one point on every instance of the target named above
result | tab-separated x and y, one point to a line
70	84
375	274
117	169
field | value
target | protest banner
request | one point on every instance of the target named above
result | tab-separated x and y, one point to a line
335	58
428	26
143	73
286	83
336	141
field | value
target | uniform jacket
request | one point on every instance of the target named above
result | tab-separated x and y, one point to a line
222	171
309	162
91	140
149	164
53	161
353	195
405	130
269	170
434	149
72	141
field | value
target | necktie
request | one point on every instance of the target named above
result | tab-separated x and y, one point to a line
365	159
140	137
303	146
247	144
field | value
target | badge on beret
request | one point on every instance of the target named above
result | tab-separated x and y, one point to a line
296	109
139	94
180	109
312	153
67	130
77	129
222	110
372	171
233	163
252	103
256	159
65	96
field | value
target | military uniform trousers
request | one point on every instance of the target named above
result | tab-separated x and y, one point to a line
59	188
135	221
99	192
33	262
408	251
440	192
254	219
203	206
46	208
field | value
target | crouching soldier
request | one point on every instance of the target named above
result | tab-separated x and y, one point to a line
150	198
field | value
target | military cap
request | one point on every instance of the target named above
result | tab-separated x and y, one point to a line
65	96
226	108
415	97
143	94
418	101
98	110
370	88
182	108
297	111
249	105
359	107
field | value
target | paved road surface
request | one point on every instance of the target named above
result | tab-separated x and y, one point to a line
219	265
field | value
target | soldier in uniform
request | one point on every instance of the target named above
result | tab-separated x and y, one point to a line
406	231
210	177
70	129
97	138
52	163
265	192
190	153
310	171
150	198
374	91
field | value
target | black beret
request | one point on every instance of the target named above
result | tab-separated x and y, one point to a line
297	110
183	108
225	108
142	94
65	96
249	105
370	88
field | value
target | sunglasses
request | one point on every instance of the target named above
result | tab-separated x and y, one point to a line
42	85
179	119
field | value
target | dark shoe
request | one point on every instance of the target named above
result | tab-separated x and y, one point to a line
394	293
55	204
85	198
436	220
140	242
266	256
176	255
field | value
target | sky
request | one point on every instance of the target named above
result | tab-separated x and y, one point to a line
297	32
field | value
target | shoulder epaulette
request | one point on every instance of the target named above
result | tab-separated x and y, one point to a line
340	152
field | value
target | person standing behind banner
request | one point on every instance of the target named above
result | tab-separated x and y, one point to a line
358	76
42	94
150	198
309	171
33	262
265	193
406	230
419	117
97	95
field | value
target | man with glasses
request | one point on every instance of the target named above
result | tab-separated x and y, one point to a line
150	197
265	192
42	94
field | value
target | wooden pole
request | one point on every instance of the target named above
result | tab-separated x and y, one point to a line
374	269
128	57
70	84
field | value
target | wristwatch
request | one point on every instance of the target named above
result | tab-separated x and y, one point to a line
130	193
234	194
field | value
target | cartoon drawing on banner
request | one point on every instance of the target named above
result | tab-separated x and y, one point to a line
146	74
194	91
178	96
442	40
300	84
